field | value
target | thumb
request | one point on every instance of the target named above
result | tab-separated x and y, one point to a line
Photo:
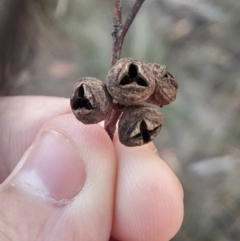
62	189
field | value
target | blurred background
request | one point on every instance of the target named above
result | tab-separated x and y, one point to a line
46	46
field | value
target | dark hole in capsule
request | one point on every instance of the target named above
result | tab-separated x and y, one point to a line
133	76
81	101
126	80
81	91
133	71
168	74
145	132
141	81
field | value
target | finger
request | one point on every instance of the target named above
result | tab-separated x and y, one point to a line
23	117
63	187
149	197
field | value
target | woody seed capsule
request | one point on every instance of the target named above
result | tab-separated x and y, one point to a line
90	100
130	82
139	125
166	86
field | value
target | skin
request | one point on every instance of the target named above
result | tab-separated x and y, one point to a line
127	193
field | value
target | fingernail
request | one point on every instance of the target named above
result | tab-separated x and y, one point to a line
53	168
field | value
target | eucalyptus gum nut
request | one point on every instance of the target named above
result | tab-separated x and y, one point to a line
130	82
166	86
90	100
139	125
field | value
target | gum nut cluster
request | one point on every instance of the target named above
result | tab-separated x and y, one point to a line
129	83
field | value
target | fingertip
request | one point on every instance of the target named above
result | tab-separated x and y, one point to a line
149	200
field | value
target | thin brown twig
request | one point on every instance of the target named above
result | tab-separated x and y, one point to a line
111	120
118	34
117	27
118	11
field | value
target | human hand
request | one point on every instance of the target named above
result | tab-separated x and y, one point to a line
65	181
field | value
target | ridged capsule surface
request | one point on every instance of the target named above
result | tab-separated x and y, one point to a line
166	86
90	100
130	82
139	125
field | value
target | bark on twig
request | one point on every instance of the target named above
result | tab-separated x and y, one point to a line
111	120
117	28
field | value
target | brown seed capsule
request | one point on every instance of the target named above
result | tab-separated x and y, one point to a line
90	100
130	82
139	125
166	86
